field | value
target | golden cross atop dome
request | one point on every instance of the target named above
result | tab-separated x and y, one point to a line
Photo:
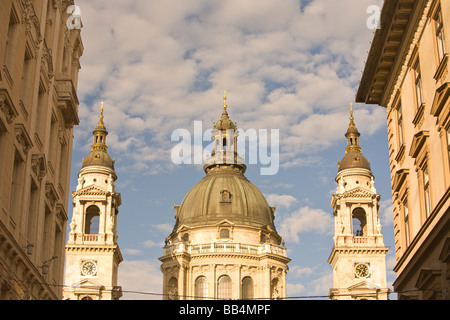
225	100
351	112
101	111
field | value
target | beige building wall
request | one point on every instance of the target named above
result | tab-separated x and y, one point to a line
407	73
39	64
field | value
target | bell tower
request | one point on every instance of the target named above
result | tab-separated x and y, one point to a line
358	256
92	251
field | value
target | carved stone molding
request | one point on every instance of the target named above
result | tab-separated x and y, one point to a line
23	138
7	106
31	21
51	194
39	165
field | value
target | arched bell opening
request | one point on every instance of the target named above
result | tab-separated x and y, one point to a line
359	222
92	220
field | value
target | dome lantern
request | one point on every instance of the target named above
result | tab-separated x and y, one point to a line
99	150
353	157
224	134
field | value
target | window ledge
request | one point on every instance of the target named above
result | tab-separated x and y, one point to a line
400	154
418	118
442	68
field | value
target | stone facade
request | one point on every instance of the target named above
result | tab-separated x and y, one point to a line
39	64
407	73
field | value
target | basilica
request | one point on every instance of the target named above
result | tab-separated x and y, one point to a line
224	243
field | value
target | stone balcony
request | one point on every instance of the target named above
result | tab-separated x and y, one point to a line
67	101
224	157
360	241
216	247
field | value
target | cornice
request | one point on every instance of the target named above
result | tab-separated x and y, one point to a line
91	191
225	255
401	25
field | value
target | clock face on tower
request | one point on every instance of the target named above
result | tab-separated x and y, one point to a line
362	270
89	268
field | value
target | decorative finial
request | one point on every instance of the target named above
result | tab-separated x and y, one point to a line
101	111
351	112
225	100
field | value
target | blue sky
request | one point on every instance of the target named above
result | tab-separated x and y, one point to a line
287	65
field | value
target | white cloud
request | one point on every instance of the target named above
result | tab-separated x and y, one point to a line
151	244
159	66
277	200
386	213
140	280
298	271
321	285
166	228
132	252
305	219
295	289
315	282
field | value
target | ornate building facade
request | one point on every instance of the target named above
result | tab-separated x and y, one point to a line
39	64
358	257
224	244
92	252
407	73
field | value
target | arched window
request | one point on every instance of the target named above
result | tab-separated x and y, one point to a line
201	288
359	222
92	220
173	289
247	288
224	287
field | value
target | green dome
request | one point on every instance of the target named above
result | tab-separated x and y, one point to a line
354	160
98	158
225	193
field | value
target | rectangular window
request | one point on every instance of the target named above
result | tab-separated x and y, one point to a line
46	239
440	36
57	253
406	215
418	84
448	143
11	41
2	150
41	115
400	125
54	131
63	165
17	181
427	193
33	212
27	74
